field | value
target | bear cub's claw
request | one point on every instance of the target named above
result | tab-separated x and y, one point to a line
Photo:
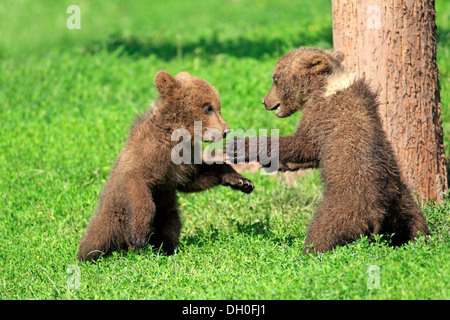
238	182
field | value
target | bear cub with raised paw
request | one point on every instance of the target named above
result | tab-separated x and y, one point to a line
138	206
341	133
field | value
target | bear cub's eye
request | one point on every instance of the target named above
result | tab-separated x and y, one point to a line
275	79
208	109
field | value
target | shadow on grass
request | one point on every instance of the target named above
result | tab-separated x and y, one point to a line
204	47
260	228
201	237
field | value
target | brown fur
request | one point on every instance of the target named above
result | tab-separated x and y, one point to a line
341	133
138	205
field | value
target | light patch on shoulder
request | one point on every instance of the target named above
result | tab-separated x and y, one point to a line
339	81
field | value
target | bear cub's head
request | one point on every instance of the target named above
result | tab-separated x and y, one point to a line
297	75
186	99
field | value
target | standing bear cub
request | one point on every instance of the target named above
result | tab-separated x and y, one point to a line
341	133
138	206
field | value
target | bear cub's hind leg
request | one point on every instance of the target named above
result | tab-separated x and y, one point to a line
167	227
141	212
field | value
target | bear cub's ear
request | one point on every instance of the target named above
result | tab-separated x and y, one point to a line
338	56
316	63
165	82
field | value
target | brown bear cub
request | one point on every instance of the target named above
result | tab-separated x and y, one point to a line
341	133
138	206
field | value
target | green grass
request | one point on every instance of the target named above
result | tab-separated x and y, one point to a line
67	98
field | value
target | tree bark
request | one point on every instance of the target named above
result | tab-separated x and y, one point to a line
392	43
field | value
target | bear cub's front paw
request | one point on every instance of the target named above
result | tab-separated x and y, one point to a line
238	182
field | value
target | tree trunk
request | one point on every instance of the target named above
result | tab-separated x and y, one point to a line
393	44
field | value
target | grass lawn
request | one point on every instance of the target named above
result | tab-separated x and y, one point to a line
67	99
